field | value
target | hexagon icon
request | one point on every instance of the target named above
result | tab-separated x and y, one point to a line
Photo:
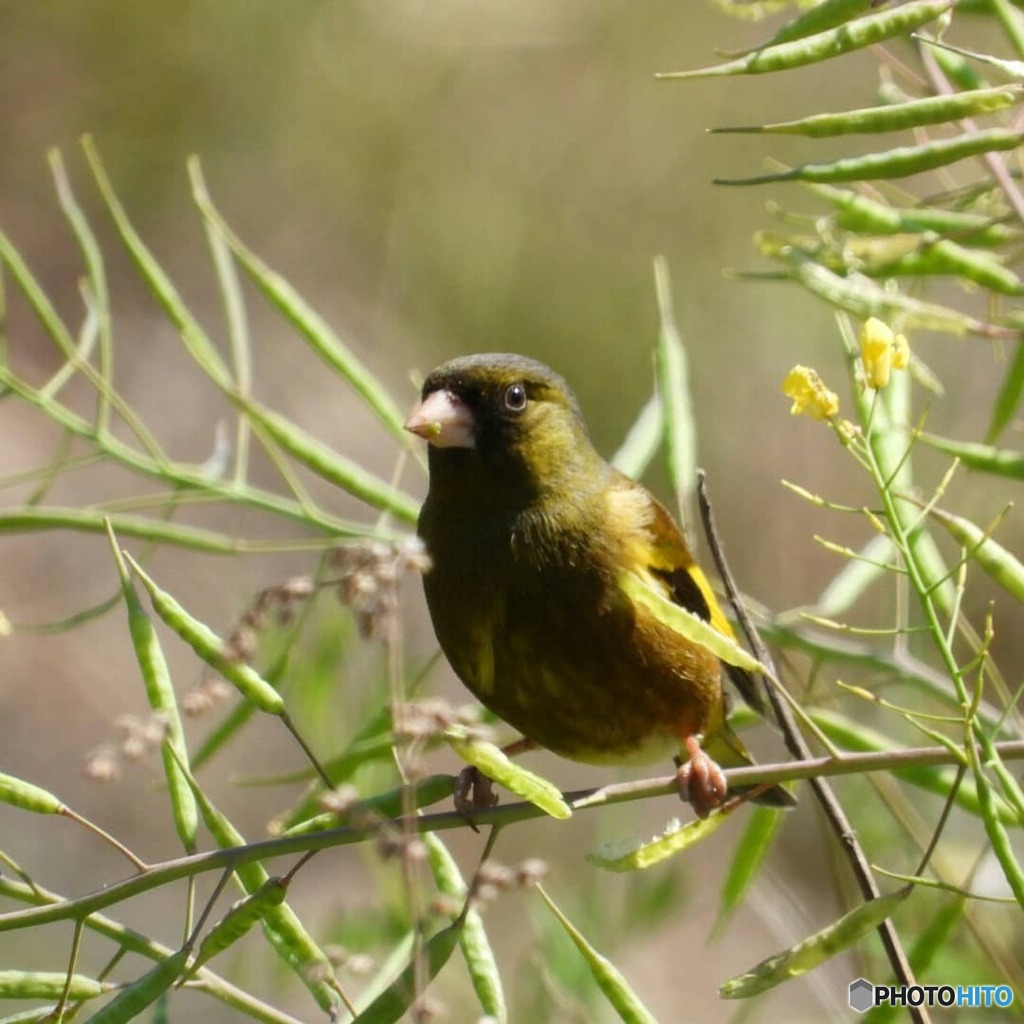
862	995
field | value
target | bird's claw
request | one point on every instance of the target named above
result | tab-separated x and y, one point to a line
473	792
701	782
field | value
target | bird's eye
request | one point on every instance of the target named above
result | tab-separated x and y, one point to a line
515	398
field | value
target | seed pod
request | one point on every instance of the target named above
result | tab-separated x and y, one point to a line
210	647
892	118
242	915
27	797
894	163
134	998
160	691
997	563
853	35
48	985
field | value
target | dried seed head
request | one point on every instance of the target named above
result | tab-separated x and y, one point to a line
338	800
360	964
196	702
133	748
493	873
531	871
447	906
102	765
369	573
421	719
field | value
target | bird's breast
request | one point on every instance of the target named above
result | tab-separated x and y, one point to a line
540	633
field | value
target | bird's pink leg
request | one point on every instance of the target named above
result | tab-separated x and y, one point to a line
700	780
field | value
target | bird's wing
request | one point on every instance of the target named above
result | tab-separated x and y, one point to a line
665	555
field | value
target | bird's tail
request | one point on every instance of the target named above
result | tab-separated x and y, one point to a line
727	749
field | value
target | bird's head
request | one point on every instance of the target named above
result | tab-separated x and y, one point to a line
505	419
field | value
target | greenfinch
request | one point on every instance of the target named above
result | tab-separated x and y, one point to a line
528	531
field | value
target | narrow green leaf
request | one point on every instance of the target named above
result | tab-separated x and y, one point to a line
1008	401
635	856
673	382
816	949
750	852
391	1005
490	760
610	980
643	440
686	624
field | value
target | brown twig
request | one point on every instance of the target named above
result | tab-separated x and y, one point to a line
169	871
797	746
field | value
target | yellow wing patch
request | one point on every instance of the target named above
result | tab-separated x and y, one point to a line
718	619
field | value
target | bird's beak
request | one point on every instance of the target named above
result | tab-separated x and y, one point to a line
444	420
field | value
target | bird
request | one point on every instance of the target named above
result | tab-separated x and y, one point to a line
528	531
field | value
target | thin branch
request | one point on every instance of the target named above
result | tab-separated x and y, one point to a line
666	785
797	745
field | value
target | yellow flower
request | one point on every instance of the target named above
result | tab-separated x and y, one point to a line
881	352
809	394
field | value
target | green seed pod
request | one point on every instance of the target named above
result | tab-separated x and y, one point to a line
27	797
894	163
896	117
845	38
997	563
816	949
48	985
856	212
242	915
210	647
139	995
160	691
946	257
826	15
475	946
998	461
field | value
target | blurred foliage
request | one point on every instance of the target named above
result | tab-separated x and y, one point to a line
497	179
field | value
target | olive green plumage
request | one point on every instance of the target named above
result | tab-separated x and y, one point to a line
528	530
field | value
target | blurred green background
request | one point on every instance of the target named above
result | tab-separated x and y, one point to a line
436	178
